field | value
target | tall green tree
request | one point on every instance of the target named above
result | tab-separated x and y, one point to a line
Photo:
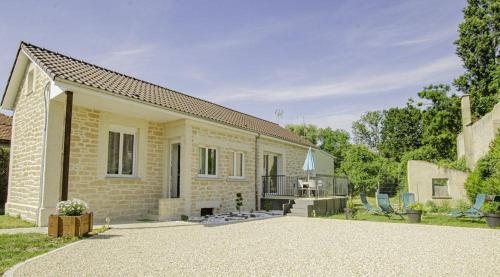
310	132
441	120
478	47
368	129
335	142
401	131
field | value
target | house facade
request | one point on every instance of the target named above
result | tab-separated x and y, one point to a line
132	149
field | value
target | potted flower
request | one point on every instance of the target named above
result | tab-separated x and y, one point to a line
491	212
72	219
414	212
350	211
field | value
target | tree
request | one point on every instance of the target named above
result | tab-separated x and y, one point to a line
478	47
367	130
441	120
401	131
335	142
365	169
310	132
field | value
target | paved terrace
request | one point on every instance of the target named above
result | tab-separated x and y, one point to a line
290	246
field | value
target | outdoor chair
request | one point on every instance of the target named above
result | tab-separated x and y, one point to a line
385	205
367	205
474	211
408	199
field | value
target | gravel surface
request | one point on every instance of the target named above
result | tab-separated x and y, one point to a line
290	246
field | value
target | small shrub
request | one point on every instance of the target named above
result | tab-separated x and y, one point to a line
461	205
239	201
416	206
444	207
184	217
73	207
430	207
491	207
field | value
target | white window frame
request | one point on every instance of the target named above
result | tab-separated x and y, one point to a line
206	175
127	131
235	154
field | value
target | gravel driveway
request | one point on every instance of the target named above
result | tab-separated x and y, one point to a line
288	246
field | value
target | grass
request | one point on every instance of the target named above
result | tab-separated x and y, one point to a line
7	222
20	247
428	219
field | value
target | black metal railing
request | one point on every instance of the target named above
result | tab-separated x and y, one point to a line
279	185
282	185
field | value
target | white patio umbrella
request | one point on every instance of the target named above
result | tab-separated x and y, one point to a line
309	163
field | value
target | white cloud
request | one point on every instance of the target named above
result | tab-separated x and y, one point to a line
357	84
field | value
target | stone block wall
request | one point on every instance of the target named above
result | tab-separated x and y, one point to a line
26	149
220	192
117	198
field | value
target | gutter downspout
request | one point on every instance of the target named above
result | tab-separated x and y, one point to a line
256	171
44	149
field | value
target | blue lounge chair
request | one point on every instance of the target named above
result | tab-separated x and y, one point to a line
367	205
385	205
408	199
474	211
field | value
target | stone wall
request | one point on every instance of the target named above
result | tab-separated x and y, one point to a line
421	173
26	148
220	192
483	133
118	198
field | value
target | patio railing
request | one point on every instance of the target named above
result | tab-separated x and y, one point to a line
282	185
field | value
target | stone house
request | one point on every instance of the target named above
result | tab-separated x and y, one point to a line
432	182
131	148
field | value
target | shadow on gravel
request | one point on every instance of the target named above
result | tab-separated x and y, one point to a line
153	227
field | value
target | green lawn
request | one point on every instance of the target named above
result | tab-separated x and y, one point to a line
7	222
19	247
429	219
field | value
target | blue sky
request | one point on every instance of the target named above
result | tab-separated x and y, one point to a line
321	62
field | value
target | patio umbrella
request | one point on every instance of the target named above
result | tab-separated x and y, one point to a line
309	163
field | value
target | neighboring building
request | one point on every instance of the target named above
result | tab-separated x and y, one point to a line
5	129
432	182
131	148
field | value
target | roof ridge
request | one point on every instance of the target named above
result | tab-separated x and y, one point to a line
152	84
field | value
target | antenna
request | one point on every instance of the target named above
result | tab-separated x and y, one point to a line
279	115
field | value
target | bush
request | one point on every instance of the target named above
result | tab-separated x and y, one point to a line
462	205
444	207
430	207
74	207
491	207
416	206
485	178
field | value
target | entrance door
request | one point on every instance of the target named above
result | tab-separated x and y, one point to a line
272	169
175	170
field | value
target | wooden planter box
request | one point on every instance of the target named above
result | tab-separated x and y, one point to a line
70	226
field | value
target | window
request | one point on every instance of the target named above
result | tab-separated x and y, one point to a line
121	153
238	163
207	165
440	188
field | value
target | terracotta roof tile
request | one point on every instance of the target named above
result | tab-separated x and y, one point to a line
60	66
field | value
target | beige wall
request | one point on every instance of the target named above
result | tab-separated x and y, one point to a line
220	192
118	198
483	133
421	173
26	149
